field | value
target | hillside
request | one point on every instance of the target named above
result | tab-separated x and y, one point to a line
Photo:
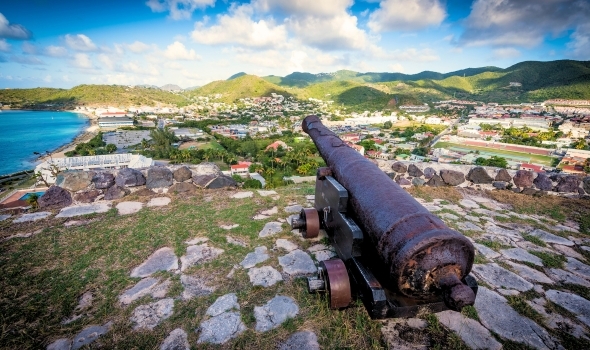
240	87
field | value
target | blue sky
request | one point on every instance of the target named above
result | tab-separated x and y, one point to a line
63	43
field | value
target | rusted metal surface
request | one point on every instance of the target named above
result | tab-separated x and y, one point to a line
418	249
312	223
337	282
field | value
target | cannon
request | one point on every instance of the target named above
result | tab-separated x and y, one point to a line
392	253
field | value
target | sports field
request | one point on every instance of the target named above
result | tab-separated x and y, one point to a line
486	151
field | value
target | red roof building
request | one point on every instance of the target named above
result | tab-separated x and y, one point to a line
532	167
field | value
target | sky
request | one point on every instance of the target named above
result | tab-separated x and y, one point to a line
64	43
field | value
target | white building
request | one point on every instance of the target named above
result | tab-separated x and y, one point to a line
115	122
576	131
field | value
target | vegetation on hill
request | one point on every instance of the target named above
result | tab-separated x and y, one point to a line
240	87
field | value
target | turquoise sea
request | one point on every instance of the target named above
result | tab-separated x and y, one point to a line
25	132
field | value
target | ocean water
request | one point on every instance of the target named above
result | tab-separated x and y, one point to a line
25	132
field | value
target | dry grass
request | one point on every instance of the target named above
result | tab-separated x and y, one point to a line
428	193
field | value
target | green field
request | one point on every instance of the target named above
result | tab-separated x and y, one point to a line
485	151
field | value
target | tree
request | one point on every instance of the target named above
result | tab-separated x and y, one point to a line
111	148
387	125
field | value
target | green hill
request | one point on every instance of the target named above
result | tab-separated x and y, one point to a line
240	87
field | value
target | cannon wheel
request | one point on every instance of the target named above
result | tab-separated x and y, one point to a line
337	282
312	222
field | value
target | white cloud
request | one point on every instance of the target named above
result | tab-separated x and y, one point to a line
106	61
138	47
29	48
13	31
321	8
580	44
4	46
56	51
337	32
48	79
396	67
137	68
406	15
177	51
179	9
82	60
409	54
504	53
238	28
80	42
173	65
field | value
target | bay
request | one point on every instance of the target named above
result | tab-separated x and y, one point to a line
25	132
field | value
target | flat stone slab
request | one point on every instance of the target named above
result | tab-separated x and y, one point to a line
83	209
88	335
271	211
259	255
449	216
556	321
162	259
496	315
241	195
150	315
159	202
274	313
405	333
147	286
60	344
5	217
222	304
221	328
471	332
469	226
264	276
236	241
229	227
317	248
562	276
176	340
432	208
324	255
198	254
271	228
305	340
572	303
260	217
286	244
520	254
576	267
489	253
33	217
499	277
266	193
195	286
550	237
568	251
468	203
293	209
471	218
126	208
530	274
297	262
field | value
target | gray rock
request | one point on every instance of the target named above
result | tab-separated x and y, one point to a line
523	178
5	216
468	203
485	251
198	254
405	334
568	251
159	202
435	181
576	267
126	208
562	276
402	181
520	254
555	321
159	177
88	335
499	277
139	290
40	215
530	274
206	169
471	218
469	226
236	241
242	195
586	184
297	262
222	304
60	344
195	287
286	244
74	180
399	167
221	328
150	315
103	180
221	181
162	259
87	196
274	313
265	276
270	228
267	193
543	182
324	255
293	209
128	177
572	303
304	340
479	175
471	332
182	174
418	181
496	315
176	340
83	209
259	255
115	192
414	171
503	176
182	187
55	197
429	172
551	238
501	185
569	183
452	177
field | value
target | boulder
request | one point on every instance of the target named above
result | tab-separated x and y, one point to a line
501	185
586	184
55	196
115	192
130	178
479	175
159	177
399	167
543	182
435	181
144	192
206	169
182	187
182	174
429	172
503	175
74	181
391	174
452	177
220	181
523	178
103	180
529	191
418	181
402	181
414	171
87	197
569	183
203	180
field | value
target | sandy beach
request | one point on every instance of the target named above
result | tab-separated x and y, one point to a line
85	136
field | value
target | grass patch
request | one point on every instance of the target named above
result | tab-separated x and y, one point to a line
449	194
495	245
582	291
440	337
470	312
550	260
534	240
518	303
480	259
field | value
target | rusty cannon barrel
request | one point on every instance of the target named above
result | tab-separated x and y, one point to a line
420	253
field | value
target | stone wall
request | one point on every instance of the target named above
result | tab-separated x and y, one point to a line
523	181
91	186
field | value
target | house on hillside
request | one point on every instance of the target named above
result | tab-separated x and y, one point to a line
275	146
532	167
240	169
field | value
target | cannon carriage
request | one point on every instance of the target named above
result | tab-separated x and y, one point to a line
393	254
